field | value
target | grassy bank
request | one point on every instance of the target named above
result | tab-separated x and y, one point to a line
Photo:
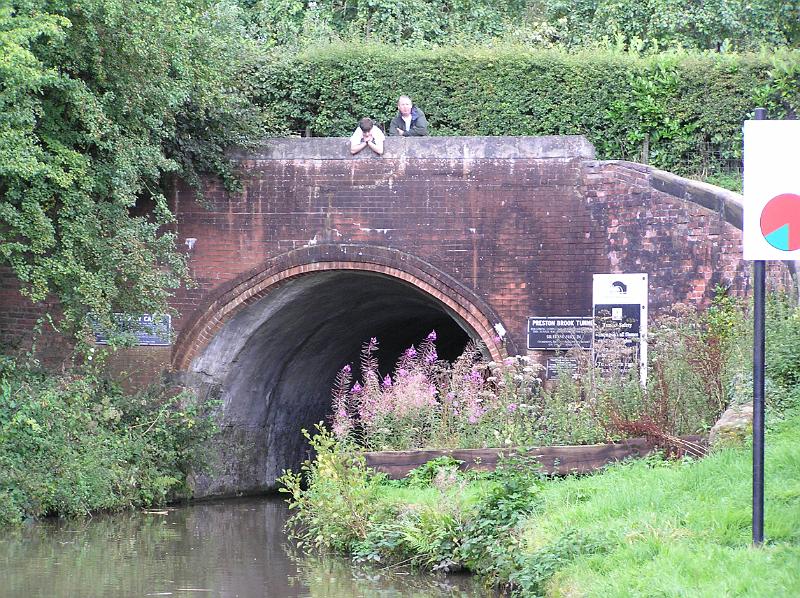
73	443
675	529
645	528
652	527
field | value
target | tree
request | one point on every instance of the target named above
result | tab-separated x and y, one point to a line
100	101
655	24
285	22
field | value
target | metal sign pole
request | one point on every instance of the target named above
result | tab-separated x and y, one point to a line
759	292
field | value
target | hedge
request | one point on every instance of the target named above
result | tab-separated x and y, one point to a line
687	108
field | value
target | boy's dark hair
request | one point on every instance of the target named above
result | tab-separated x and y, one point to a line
365	124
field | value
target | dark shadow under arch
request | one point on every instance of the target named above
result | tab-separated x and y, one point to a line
273	361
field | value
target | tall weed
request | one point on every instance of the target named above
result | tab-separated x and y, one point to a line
331	497
428	402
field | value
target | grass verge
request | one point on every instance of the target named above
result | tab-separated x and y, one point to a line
643	528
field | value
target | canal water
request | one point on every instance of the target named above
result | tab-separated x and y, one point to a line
228	548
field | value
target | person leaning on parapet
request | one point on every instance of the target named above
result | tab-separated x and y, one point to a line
410	120
367	135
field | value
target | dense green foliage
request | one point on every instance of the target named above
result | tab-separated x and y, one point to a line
293	22
99	100
783	348
689	107
73	444
652	24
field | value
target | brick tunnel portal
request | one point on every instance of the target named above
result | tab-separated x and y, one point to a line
274	362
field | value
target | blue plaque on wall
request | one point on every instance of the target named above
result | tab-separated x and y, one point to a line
153	330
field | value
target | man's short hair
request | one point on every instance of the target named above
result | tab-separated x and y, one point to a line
365	124
405	98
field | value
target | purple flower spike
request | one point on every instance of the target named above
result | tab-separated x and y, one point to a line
387	381
432	336
357	388
346	369
473	419
411	352
512	407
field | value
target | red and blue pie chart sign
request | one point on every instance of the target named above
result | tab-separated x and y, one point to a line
780	222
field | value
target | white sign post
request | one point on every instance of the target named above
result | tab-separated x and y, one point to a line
620	312
771	230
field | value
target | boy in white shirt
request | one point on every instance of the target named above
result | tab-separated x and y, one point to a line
367	135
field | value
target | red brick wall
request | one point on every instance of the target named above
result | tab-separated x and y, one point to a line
19	318
523	234
517	234
686	249
680	232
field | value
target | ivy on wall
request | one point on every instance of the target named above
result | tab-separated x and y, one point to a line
101	101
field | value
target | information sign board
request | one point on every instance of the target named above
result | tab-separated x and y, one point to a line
560	333
561	365
154	330
620	322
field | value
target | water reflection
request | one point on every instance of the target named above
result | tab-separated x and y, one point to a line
231	548
335	577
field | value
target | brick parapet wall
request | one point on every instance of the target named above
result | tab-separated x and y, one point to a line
685	234
685	248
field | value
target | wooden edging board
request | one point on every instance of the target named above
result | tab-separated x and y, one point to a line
559	460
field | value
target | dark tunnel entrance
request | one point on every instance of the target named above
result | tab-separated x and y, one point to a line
273	364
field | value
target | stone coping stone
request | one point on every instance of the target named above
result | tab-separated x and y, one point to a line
453	148
728	204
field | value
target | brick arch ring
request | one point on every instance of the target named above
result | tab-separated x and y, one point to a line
248	288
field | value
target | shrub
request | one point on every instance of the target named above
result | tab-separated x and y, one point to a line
783	351
427	402
334	510
695	358
624	103
73	443
698	363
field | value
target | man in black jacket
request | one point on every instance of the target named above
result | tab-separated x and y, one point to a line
410	120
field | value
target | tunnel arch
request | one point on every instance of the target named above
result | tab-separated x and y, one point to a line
270	344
